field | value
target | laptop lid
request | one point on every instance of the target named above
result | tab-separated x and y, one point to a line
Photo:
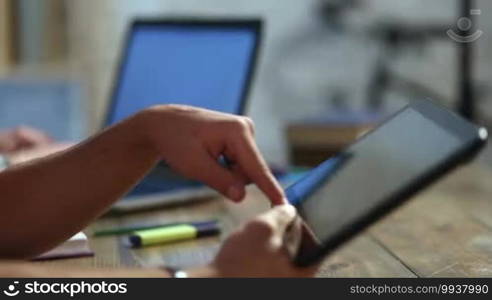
203	63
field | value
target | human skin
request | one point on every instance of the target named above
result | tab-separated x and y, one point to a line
47	200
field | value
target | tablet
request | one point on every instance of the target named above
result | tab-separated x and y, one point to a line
378	172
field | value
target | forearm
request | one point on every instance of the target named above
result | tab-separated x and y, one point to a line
62	193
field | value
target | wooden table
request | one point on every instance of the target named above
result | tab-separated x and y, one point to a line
445	231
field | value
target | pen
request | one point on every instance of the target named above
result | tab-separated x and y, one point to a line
174	233
133	228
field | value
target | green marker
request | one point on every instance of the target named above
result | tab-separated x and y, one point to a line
171	234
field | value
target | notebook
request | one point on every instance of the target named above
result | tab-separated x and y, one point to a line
207	63
76	246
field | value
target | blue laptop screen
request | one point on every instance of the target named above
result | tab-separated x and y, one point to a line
205	66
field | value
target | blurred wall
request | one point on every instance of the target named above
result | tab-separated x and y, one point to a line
6	37
303	65
41	31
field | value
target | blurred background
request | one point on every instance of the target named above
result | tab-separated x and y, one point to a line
325	66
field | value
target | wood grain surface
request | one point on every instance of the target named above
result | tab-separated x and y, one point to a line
445	231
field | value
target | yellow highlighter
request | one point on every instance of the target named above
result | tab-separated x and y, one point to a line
170	234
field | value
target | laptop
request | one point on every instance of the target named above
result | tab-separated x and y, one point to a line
203	63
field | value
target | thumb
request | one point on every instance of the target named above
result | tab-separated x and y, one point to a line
281	217
210	172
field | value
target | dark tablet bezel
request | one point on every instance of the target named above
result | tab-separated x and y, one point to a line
473	138
253	24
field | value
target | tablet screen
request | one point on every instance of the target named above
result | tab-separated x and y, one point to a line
341	190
